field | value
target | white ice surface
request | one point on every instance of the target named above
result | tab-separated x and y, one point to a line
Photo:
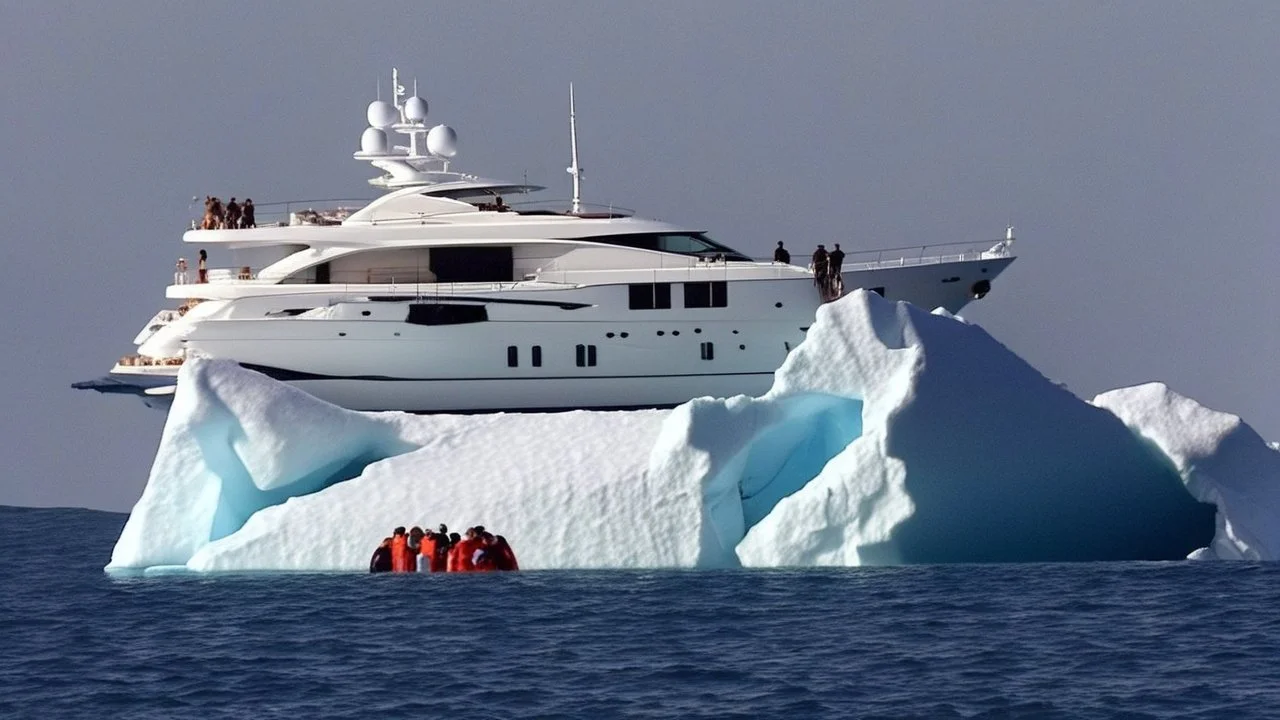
890	435
1221	459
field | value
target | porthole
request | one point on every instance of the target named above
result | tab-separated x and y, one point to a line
661	333
365	313
735	332
675	332
608	335
342	334
742	347
624	334
777	304
697	331
397	334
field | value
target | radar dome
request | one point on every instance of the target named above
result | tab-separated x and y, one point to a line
415	109
374	141
382	114
442	141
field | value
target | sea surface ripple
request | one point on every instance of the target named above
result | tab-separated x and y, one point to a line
1117	640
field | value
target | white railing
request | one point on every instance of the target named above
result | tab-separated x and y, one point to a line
926	254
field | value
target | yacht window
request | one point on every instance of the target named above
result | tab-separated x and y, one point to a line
679	243
438	314
472	264
877	290
513	356
650	296
708	351
586	355
706	294
536	360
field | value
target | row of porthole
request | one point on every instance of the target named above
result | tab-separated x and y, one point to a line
696	331
609	335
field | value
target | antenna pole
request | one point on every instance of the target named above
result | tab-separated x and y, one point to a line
573	169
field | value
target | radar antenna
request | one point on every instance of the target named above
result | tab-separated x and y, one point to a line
574	169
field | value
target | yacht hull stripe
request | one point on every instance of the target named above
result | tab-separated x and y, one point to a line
286	375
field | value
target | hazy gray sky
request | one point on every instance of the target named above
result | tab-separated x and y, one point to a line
1136	147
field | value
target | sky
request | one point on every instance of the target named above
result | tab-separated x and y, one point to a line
1135	147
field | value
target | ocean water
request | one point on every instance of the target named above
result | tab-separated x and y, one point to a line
1118	640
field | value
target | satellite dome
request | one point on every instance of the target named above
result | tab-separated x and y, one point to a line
382	114
442	141
415	109
374	141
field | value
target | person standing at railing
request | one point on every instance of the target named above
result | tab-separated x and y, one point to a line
180	272
781	255
246	214
233	214
820	266
835	282
202	267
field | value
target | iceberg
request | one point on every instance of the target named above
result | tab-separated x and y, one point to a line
890	435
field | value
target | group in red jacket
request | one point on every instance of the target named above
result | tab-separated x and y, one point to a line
419	551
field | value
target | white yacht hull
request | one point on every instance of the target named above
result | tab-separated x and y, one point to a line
374	360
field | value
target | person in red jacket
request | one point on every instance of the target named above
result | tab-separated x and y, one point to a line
485	557
461	554
400	557
428	549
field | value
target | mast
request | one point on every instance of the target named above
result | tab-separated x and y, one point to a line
573	168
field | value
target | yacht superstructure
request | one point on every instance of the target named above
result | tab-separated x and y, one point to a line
440	296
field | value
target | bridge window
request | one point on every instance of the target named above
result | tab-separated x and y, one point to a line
706	294
650	296
679	243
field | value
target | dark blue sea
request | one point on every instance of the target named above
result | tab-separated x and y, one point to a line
1118	640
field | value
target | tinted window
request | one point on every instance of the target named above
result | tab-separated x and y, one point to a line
435	314
706	294
681	243
650	296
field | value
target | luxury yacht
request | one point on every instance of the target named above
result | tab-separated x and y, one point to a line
444	295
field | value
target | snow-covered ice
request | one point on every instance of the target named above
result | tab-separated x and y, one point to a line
891	435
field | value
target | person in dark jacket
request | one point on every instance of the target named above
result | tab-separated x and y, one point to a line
820	266
781	255
836	259
381	560
246	214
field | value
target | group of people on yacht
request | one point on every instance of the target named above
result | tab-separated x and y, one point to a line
425	551
231	216
826	267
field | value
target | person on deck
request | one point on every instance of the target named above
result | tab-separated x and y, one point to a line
246	214
836	259
381	560
233	214
781	255
835	282
820	266
202	267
